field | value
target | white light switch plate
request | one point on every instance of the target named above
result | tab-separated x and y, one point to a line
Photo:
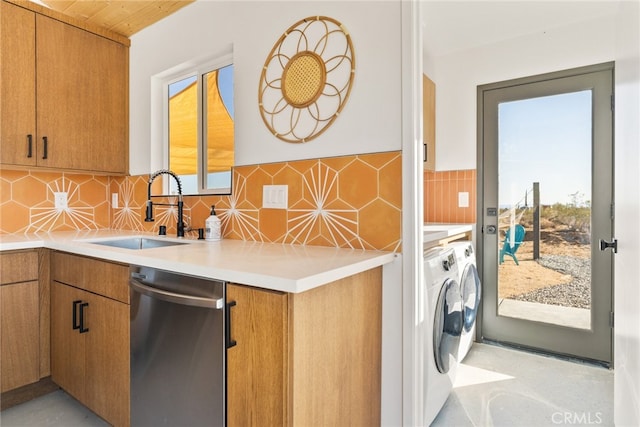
275	196
114	200
463	199
60	200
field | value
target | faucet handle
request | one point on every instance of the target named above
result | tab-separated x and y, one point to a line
149	214
162	230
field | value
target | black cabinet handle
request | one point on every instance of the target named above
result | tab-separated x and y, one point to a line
29	145
227	333
45	144
82	307
78	316
76	324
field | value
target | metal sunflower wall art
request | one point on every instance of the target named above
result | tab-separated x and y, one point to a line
306	79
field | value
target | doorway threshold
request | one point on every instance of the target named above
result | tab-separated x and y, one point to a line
571	317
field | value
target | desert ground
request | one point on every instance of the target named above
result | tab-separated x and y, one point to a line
559	244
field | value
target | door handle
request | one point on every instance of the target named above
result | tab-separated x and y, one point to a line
138	286
82	307
76	324
78	316
491	229
229	342
613	244
29	145
45	146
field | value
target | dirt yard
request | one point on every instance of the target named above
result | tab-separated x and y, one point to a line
529	275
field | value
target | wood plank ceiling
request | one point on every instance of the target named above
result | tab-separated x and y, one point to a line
124	17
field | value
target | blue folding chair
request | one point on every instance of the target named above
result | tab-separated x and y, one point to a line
512	241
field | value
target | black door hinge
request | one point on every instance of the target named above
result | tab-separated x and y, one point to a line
611	319
613	102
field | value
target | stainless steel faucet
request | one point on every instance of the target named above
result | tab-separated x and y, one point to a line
149	215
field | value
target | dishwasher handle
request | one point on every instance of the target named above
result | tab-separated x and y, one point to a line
217	303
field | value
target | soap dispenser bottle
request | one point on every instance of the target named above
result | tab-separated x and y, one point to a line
212	226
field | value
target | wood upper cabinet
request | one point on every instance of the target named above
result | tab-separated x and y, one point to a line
82	97
312	358
18	88
90	334
429	122
24	344
66	101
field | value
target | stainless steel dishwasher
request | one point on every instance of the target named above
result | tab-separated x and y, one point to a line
177	349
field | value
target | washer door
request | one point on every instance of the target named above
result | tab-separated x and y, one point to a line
447	325
470	295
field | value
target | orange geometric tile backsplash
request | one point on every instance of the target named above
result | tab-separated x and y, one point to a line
28	204
350	201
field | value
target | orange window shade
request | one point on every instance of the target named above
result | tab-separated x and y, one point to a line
183	131
220	130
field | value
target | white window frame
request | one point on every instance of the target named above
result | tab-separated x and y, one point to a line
160	115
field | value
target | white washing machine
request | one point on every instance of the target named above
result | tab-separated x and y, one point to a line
471	290
443	328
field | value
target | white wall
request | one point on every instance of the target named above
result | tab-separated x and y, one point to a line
369	123
627	189
457	76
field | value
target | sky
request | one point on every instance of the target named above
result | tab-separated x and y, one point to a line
545	140
225	84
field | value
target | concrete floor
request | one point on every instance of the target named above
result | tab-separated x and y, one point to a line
495	386
56	409
572	317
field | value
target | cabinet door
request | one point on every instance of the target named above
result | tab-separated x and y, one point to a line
82	98
107	358
257	366
429	122
18	91
19	329
67	345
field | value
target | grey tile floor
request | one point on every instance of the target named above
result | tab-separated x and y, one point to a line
496	386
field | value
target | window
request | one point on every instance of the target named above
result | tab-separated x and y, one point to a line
198	118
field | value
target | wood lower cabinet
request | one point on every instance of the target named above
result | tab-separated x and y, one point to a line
312	358
90	334
24	344
257	366
20	346
64	100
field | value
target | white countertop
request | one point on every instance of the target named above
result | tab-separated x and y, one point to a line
281	267
438	231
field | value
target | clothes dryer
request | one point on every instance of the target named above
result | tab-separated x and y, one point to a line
443	328
470	289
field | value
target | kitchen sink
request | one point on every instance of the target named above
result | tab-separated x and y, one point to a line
138	243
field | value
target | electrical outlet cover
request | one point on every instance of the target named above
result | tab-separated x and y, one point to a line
463	199
60	200
275	196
